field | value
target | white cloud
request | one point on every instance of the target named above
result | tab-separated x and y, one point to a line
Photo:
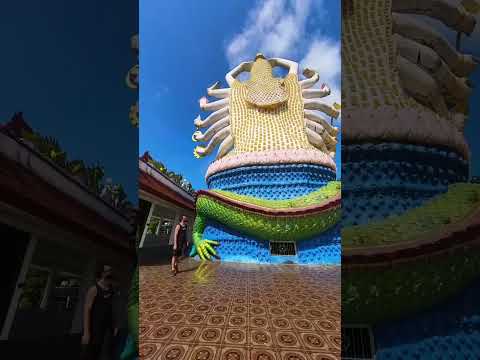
278	28
274	27
324	56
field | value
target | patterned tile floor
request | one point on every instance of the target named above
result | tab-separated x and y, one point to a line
225	311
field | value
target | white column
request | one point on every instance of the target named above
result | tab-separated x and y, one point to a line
12	309
145	229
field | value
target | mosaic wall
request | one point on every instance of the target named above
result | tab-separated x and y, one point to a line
390	178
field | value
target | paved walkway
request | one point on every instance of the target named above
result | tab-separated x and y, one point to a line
225	311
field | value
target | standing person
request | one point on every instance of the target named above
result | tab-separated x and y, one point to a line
98	319
179	241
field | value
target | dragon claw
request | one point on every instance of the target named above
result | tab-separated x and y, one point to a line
204	249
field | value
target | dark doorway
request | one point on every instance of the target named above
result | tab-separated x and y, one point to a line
14	246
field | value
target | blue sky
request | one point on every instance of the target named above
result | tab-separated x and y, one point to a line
64	65
185	46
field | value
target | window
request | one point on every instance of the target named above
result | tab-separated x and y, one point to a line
357	343
165	229
35	288
66	290
283	248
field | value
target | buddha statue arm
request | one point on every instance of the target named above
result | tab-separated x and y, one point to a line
314	104
212	118
200	151
319	129
410	27
431	70
315	117
292	66
421	86
316	93
312	78
451	13
316	140
427	59
214	129
230	77
225	146
217	92
205	105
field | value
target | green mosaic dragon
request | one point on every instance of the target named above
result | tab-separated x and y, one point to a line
282	220
130	351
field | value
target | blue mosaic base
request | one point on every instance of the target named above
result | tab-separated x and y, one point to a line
380	180
235	247
450	330
274	182
460	346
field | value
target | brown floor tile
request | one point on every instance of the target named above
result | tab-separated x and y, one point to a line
280	323
334	341
161	333
240	312
323	356
287	339
195	319
186	334
303	324
295	312
147	350
175	318
174	352
143	330
293	355
263	354
235	337
261	338
314	341
211	335
216	320
235	320
204	352
258	310
258	322
154	317
234	353
221	308
326	325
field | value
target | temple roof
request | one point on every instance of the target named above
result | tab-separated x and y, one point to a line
41	188
152	181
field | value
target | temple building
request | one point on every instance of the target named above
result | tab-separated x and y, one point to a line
162	202
56	229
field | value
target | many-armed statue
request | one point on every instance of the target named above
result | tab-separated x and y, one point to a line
273	177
